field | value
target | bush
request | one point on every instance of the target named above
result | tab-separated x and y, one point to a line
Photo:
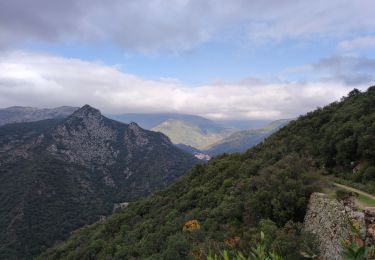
343	194
369	174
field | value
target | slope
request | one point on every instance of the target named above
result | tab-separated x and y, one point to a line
221	204
241	141
58	175
149	121
199	136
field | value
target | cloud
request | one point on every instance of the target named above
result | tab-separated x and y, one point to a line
153	25
351	70
308	20
43	80
358	43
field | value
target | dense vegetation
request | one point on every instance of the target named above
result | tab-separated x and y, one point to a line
45	195
225	203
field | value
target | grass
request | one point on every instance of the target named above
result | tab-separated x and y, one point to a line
330	191
366	200
363	200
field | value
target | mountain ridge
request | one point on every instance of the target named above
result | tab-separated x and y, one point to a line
198	136
18	114
243	140
66	173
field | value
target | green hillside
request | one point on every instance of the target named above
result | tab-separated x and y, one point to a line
225	203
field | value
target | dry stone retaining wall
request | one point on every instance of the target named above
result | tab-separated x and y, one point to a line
330	221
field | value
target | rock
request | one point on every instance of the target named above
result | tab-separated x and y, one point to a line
119	206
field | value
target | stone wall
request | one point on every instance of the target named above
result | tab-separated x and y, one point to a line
330	221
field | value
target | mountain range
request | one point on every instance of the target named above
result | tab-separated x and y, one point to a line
151	120
243	140
207	136
57	175
199	136
221	207
18	114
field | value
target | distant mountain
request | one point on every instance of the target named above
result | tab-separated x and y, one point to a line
19	114
149	121
243	124
243	140
57	175
199	135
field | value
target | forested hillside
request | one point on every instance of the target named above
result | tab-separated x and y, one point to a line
225	203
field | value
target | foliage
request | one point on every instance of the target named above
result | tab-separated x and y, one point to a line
258	252
191	226
356	249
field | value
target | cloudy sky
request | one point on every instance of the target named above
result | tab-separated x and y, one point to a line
238	59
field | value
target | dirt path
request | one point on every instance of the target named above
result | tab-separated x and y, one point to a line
354	190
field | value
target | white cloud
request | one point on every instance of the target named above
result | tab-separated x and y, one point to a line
48	81
358	43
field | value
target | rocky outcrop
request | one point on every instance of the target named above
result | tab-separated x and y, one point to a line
85	138
331	220
119	206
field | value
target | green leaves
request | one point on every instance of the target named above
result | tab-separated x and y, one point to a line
356	249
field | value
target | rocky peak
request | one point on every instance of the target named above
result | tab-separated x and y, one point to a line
137	134
134	127
87	111
84	138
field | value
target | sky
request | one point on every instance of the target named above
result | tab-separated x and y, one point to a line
238	59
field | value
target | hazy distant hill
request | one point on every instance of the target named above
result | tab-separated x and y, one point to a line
57	175
243	140
19	114
198	135
149	121
243	124
196	131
